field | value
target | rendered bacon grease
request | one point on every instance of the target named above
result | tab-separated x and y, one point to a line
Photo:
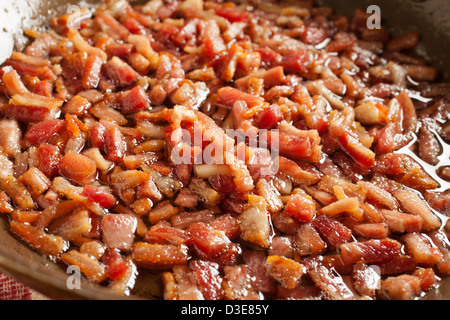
338	188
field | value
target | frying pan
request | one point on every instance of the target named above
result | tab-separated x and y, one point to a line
429	17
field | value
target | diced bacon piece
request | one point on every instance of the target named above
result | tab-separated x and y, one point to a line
83	46
18	193
208	279
440	240
410	120
120	72
429	146
134	100
93	248
332	231
82	70
286	271
54	211
118	231
422	249
415	176
403	287
295	60
111	26
71	225
366	280
41	46
36	180
226	224
164	211
107	114
43	131
115	144
159	256
266	190
379	195
238	284
210	244
184	219
282	246
28	65
328	281
95	155
269	117
232	14
254	223
116	266
10	137
100	196
406	41
329	183
164	234
439	201
186	199
204	191
213	46
397	265
48	244
357	151
169	285
300	293
78	167
143	46
412	203
300	208
257	269
227	96
77	106
186	283
13	83
307	241
369	251
294	143
31	107
400	222
90	267
340	206
150	190
378	230
314	35
292	170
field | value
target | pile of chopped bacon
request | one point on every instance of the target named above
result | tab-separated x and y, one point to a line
353	205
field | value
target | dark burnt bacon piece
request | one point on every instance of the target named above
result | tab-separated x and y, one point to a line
282	152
